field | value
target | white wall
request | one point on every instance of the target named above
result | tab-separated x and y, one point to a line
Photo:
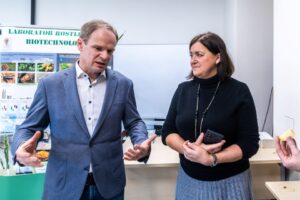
143	21
245	25
155	74
250	25
230	26
15	12
286	66
287	69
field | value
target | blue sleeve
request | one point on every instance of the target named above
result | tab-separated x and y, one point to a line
132	121
37	118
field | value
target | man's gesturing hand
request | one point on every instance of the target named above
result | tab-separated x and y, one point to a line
139	150
25	153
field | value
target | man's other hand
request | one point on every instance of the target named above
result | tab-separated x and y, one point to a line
25	153
139	150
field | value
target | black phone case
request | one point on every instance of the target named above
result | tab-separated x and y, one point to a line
212	137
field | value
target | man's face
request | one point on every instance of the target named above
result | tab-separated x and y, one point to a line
96	52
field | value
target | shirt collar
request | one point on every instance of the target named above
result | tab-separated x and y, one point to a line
80	73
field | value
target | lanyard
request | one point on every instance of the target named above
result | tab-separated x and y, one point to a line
205	110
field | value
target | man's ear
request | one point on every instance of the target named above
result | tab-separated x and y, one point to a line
80	44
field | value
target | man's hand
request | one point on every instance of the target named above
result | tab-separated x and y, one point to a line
139	150
288	153
25	153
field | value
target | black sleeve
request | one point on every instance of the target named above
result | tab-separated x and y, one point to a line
248	136
170	122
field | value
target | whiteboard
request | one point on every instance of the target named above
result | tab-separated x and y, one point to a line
156	71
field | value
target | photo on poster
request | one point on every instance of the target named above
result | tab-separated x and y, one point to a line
66	60
45	67
26	78
26	67
28	62
8	77
8	66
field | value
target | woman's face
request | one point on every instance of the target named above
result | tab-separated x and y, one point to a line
203	62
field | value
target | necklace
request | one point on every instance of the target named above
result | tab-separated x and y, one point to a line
205	110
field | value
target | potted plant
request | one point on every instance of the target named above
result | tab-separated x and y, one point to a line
6	167
28	186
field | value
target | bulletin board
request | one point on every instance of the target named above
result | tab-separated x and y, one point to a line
26	55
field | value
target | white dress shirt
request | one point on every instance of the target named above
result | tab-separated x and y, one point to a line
91	95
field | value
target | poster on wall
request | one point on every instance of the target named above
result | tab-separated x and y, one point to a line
26	55
26	68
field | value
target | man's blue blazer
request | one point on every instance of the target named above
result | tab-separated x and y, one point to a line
56	103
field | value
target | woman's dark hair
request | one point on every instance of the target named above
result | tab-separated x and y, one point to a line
215	45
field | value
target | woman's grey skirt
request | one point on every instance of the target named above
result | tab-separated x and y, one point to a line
237	187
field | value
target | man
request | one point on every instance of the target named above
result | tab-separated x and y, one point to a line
85	106
288	153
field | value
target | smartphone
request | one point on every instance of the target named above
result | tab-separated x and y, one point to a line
212	137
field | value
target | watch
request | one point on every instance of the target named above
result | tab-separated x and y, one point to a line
215	160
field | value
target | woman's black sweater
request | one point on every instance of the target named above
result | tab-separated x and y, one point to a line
232	113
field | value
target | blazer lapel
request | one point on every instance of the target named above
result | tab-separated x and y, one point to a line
111	87
73	98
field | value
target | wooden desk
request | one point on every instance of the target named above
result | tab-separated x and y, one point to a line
285	190
154	180
264	167
265	156
162	167
161	156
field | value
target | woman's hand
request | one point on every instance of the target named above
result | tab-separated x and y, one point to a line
213	148
196	153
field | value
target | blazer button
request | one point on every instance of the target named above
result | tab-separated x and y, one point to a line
87	168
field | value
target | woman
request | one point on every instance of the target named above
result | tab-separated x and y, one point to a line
212	100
